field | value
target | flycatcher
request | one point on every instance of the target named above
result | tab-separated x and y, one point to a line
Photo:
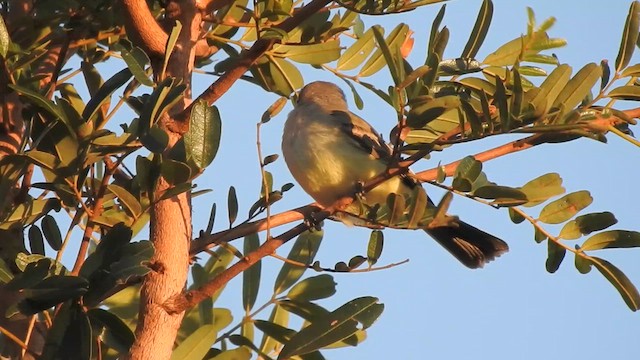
330	151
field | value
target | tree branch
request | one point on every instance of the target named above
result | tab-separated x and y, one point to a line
224	82
143	29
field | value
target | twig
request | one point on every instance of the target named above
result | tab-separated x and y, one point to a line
16	340
303	265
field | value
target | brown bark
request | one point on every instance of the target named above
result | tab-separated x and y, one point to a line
170	220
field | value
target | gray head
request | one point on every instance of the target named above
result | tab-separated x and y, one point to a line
325	94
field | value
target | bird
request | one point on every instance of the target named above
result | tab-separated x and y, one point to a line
331	152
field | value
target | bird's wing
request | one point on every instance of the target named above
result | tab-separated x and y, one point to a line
362	134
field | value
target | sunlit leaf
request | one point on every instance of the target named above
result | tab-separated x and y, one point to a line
542	188
136	60
629	36
626	92
303	251
126	199
377	61
314	54
565	208
578	87
196	345
612	239
586	224
479	31
357	53
313	288
4	39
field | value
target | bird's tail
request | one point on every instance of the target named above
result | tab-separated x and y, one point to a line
471	246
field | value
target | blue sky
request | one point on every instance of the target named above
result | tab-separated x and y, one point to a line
435	307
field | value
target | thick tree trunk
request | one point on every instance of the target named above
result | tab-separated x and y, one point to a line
171	218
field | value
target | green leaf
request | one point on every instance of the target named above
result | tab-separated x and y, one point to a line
586	224
501	194
629	37
70	336
196	346
251	276
579	86
104	93
417	208
241	353
136	60
374	248
391	62
357	53
565	208
232	205
466	173
633	70
480	29
36	243
459	66
423	113
338	325
274	109
356	261
126	199
515	216
435	28
550	88
116	334
606	74
555	256
307	310
377	61
155	140
275	329
396	205
41	102
175	172
32	273
303	251
582	263
171	43
500	99
626	92
314	54
5	273
612	239
313	288
165	94
620	281
50	292
542	188
5	41
507	54
203	138
51	232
